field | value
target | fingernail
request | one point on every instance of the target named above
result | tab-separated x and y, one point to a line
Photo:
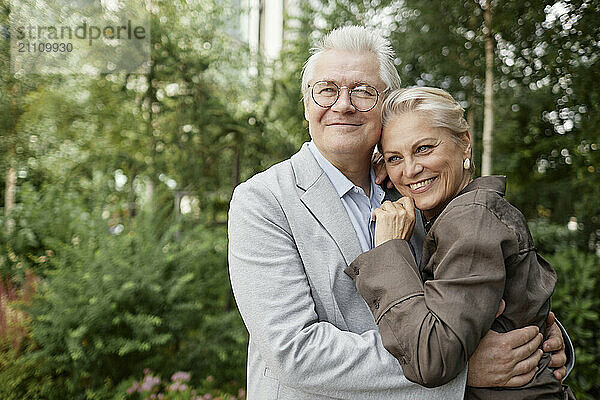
377	181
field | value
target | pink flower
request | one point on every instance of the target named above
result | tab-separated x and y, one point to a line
134	388
178	387
149	383
180	376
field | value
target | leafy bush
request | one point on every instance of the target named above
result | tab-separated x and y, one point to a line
178	388
113	304
42	221
576	302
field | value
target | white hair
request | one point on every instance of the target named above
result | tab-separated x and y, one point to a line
358	39
437	105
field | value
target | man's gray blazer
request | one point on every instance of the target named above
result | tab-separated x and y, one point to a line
312	336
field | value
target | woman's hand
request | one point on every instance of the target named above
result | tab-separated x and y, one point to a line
394	220
380	172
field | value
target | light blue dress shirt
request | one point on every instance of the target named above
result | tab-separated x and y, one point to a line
355	201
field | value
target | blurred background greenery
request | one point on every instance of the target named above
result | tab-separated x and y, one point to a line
113	243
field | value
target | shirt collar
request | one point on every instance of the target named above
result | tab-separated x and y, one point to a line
339	181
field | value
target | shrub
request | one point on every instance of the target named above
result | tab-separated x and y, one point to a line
112	304
576	302
152	387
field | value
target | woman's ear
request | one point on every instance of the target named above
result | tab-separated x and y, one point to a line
466	139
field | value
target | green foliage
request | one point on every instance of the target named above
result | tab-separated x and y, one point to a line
576	301
156	295
116	302
550	238
178	388
26	377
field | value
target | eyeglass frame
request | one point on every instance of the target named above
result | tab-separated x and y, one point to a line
312	94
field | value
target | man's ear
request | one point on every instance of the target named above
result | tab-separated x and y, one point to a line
305	102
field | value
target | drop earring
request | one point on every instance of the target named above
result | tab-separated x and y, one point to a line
467	163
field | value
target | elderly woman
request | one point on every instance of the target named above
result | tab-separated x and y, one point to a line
478	251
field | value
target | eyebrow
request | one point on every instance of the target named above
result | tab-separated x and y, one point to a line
416	144
352	84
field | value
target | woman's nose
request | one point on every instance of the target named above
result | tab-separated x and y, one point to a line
413	168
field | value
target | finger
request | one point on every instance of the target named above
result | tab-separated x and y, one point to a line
555	340
376	158
390	184
380	173
558	360
409	204
377	213
550	319
521	337
528	348
560	373
520	380
387	205
501	308
553	344
529	364
399	208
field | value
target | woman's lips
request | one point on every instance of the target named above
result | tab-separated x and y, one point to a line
421	186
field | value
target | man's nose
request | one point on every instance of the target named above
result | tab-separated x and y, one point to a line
343	103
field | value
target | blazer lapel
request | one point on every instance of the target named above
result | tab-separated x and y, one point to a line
322	200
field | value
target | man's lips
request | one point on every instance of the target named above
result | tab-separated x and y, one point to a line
343	124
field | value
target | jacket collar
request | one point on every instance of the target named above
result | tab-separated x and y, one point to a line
323	201
497	183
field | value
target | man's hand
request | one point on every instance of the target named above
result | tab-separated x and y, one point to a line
394	220
555	344
506	359
510	359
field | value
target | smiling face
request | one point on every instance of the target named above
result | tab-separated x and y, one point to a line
340	132
425	162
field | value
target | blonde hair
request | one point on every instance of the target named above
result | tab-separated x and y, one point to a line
435	104
358	39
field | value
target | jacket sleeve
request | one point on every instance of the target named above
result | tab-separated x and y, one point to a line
274	297
433	327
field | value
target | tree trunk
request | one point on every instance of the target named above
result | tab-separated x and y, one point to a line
488	116
471	123
11	187
236	167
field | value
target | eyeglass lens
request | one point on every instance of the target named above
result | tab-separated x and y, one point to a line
362	97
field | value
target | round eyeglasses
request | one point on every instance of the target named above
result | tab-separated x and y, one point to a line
362	97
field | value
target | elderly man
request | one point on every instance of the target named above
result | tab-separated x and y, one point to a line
294	228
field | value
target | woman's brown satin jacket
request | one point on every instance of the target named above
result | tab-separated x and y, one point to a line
431	318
